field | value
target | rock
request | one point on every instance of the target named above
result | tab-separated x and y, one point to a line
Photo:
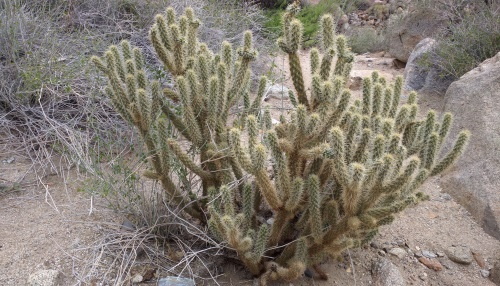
474	180
485	273
385	273
407	30
422	72
277	91
423	276
459	254
495	271
137	278
398	252
431	263
355	83
479	259
428	254
375	244
45	278
175	281
440	254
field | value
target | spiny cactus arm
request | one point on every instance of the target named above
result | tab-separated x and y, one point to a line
377	99
445	126
396	96
367	96
315	220
352	194
283	179
338	155
432	147
176	120
332	118
327	32
239	154
268	190
162	52
326	64
191	208
248	200
186	160
422	175
314	61
453	155
282	220
255	106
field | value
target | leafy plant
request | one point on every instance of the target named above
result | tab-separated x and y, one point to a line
321	181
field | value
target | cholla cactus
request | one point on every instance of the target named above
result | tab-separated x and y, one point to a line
340	169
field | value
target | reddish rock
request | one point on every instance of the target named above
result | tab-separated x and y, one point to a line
431	263
479	259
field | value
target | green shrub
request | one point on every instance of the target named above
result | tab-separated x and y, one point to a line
309	16
321	181
365	39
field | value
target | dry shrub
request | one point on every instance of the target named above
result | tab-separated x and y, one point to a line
365	39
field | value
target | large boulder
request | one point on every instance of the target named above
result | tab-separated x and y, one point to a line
405	31
422	73
475	179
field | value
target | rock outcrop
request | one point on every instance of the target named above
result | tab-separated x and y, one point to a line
474	181
422	72
407	30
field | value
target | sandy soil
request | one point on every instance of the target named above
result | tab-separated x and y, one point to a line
49	227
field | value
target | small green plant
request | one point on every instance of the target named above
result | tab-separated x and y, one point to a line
321	181
309	16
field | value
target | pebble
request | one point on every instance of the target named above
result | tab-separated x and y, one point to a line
385	273
440	254
431	263
45	278
137	278
381	253
459	254
479	259
423	276
399	252
375	244
485	273
428	254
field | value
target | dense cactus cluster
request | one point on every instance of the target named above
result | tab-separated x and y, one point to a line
320	181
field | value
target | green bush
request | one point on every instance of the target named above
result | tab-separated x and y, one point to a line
309	16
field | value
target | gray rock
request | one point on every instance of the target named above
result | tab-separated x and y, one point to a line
385	273
474	180
277	91
485	273
407	30
175	281
428	254
45	278
398	252
422	72
459	254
